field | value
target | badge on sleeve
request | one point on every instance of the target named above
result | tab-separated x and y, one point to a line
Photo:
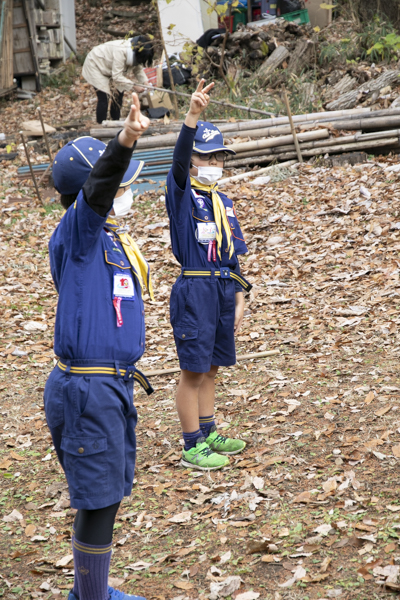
123	286
229	211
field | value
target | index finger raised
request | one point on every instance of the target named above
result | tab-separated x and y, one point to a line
200	85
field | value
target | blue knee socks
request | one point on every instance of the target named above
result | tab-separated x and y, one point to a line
91	565
205	425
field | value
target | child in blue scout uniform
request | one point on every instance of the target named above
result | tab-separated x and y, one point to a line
206	308
100	275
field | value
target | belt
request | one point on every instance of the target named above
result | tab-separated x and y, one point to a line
112	368
224	273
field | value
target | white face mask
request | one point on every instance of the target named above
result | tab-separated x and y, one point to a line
208	175
122	205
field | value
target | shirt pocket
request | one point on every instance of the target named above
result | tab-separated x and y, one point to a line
119	261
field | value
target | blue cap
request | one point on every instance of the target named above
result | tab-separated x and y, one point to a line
73	163
209	139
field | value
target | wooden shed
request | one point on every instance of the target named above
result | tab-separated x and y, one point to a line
6	47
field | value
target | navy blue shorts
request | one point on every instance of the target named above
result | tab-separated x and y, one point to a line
202	314
92	421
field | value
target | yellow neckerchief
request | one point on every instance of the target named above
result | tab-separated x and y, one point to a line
138	263
219	214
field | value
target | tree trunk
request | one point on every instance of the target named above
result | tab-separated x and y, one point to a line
350	99
274	61
346	84
302	57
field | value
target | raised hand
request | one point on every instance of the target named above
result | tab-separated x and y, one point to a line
135	124
198	102
200	99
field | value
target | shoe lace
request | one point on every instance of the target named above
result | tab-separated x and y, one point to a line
220	439
206	451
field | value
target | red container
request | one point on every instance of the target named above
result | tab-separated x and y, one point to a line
151	74
226	22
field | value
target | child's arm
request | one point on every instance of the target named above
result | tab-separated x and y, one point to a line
103	182
184	145
239	311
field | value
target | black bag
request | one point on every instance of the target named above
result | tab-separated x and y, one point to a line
208	36
157	113
179	75
288	6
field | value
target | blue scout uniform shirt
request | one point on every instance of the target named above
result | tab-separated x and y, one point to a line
187	208
84	260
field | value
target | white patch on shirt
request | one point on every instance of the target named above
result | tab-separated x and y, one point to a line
206	232
123	286
230	212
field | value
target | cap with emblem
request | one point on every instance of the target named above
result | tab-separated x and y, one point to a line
73	163
209	139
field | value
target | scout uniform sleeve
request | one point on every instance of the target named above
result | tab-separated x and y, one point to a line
178	180
237	235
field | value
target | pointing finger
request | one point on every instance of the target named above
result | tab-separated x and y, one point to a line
201	85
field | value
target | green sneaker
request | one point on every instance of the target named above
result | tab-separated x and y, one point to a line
201	457
222	444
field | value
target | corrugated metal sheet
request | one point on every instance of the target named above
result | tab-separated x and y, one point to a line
153	176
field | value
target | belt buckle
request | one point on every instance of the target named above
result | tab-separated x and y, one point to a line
129	373
225	273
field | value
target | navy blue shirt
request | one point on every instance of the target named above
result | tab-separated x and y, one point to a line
188	209
85	259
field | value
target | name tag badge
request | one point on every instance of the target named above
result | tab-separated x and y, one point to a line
230	211
206	232
123	286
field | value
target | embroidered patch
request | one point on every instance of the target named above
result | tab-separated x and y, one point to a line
230	211
199	199
209	134
123	286
200	202
206	232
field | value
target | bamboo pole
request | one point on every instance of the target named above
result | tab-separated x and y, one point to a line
243	357
296	141
334	149
370	123
248	109
30	167
242	176
279	141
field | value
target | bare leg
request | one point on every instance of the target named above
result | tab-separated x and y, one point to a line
207	393
187	400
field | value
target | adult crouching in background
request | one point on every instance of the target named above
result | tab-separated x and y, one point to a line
106	67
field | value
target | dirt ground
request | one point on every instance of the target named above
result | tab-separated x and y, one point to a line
310	509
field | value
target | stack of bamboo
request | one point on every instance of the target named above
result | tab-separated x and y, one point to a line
266	140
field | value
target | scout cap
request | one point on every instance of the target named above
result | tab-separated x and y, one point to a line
73	163
209	139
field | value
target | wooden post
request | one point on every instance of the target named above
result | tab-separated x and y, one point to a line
289	114
249	11
45	134
30	167
171	80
